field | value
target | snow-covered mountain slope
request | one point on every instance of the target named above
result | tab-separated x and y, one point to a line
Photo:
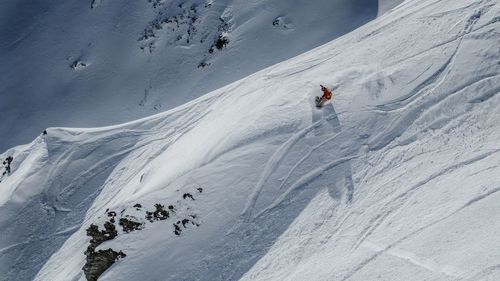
396	179
386	5
88	63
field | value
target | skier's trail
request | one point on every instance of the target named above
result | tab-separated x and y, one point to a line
325	116
304	158
428	264
394	203
273	163
388	249
304	180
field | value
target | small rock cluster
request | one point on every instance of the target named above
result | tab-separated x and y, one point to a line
6	164
283	23
183	23
99	261
78	64
94	3
184	222
159	213
221	39
156	3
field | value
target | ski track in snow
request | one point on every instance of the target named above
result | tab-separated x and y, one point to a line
273	163
304	180
395	202
429	265
280	153
383	165
305	157
416	260
434	82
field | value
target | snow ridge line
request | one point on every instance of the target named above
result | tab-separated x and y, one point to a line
55	189
466	30
401	17
190	119
273	163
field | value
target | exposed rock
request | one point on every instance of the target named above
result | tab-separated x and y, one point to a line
221	42
203	64
187	195
128	224
177	228
98	262
99	236
112	215
6	164
159	214
77	65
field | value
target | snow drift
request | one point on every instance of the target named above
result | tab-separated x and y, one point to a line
396	179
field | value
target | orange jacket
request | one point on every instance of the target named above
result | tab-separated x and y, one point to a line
327	94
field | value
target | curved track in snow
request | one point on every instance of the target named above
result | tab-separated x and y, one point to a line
396	178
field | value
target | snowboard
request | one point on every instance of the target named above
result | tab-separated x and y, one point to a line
319	102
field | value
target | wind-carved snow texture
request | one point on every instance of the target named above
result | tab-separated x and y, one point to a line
395	179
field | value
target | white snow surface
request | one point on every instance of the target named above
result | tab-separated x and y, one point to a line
87	63
386	5
395	179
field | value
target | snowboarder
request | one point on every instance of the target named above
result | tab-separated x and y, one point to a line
327	95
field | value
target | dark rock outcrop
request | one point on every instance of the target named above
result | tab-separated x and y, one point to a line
187	195
98	262
129	224
159	214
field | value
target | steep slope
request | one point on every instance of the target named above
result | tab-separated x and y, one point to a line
386	5
394	180
100	62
